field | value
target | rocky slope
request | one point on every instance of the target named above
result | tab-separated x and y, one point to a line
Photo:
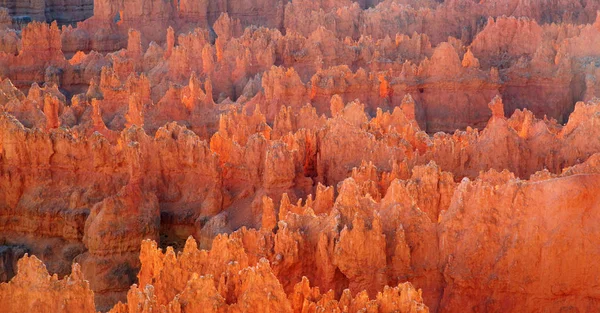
306	156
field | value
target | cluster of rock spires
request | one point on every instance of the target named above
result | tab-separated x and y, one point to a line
305	156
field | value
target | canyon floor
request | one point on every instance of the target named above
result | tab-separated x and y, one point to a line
299	156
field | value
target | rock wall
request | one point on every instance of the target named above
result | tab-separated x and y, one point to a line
63	11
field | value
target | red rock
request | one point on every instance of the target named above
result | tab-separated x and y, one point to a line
316	151
34	290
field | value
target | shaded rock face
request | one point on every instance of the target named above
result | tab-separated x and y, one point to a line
299	156
65	12
9	255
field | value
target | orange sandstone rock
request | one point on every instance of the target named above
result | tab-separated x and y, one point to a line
299	156
34	290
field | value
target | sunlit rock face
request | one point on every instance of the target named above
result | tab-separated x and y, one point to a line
306	156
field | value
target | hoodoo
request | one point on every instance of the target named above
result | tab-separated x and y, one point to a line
299	156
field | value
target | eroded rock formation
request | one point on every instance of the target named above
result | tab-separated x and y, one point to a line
62	11
305	156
